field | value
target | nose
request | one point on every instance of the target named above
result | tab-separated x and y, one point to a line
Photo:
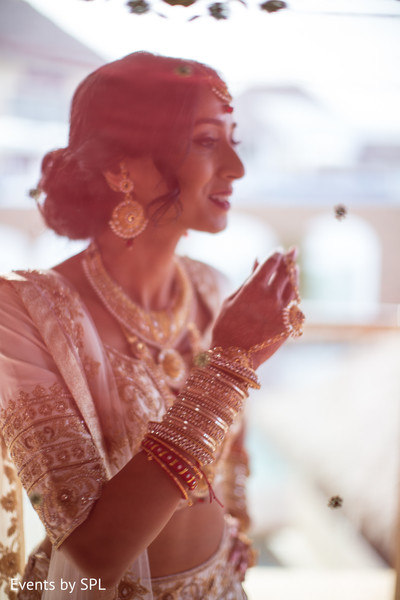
233	167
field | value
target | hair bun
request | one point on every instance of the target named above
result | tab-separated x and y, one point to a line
51	162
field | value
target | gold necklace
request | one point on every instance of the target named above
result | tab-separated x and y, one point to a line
169	360
160	329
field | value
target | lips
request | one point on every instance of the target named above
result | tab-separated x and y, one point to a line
221	199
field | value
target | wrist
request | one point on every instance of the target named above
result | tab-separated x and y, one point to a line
188	437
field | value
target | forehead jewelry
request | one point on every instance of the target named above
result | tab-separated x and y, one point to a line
217	86
220	89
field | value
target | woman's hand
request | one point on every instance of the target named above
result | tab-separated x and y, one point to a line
255	312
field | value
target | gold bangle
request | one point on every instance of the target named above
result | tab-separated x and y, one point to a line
225	412
195	410
210	380
191	447
235	361
232	360
215	401
194	433
196	422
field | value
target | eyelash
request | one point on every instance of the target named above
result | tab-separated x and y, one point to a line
208	141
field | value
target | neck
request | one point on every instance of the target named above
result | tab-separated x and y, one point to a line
146	270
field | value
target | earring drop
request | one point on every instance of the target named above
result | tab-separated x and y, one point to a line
128	219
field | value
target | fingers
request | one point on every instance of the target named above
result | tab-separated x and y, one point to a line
287	293
267	269
266	273
236	292
292	253
280	279
276	261
286	284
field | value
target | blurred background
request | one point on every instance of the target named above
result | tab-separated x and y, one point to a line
317	90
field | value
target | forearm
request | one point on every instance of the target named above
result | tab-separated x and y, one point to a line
133	508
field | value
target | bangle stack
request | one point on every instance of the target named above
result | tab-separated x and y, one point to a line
193	429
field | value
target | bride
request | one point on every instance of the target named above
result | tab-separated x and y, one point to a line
123	377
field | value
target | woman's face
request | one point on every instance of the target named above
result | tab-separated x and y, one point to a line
205	176
210	167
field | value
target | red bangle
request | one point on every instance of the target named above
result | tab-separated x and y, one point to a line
175	463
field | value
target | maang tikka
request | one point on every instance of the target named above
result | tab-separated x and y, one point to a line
128	219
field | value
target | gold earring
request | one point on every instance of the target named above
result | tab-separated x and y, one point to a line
128	219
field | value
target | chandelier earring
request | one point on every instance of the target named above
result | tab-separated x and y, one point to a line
128	219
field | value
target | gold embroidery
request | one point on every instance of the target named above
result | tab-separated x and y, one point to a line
11	553
8	562
9	501
130	588
55	456
66	304
143	398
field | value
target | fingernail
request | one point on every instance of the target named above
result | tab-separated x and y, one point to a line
293	252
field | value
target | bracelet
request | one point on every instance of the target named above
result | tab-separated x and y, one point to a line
197	422
193	465
152	456
193	448
226	413
224	416
196	434
175	462
212	379
199	415
233	361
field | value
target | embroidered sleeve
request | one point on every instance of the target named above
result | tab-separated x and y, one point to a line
46	436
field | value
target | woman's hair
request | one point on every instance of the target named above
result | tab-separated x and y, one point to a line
142	104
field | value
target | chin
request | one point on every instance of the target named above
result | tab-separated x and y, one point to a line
215	226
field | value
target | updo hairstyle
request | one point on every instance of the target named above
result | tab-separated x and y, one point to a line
142	104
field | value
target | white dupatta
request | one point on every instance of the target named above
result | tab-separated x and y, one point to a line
52	359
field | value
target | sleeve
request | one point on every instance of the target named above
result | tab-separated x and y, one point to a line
236	472
46	436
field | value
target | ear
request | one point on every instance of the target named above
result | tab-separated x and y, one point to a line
113	180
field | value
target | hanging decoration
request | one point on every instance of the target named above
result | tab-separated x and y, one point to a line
335	502
216	10
221	9
340	212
